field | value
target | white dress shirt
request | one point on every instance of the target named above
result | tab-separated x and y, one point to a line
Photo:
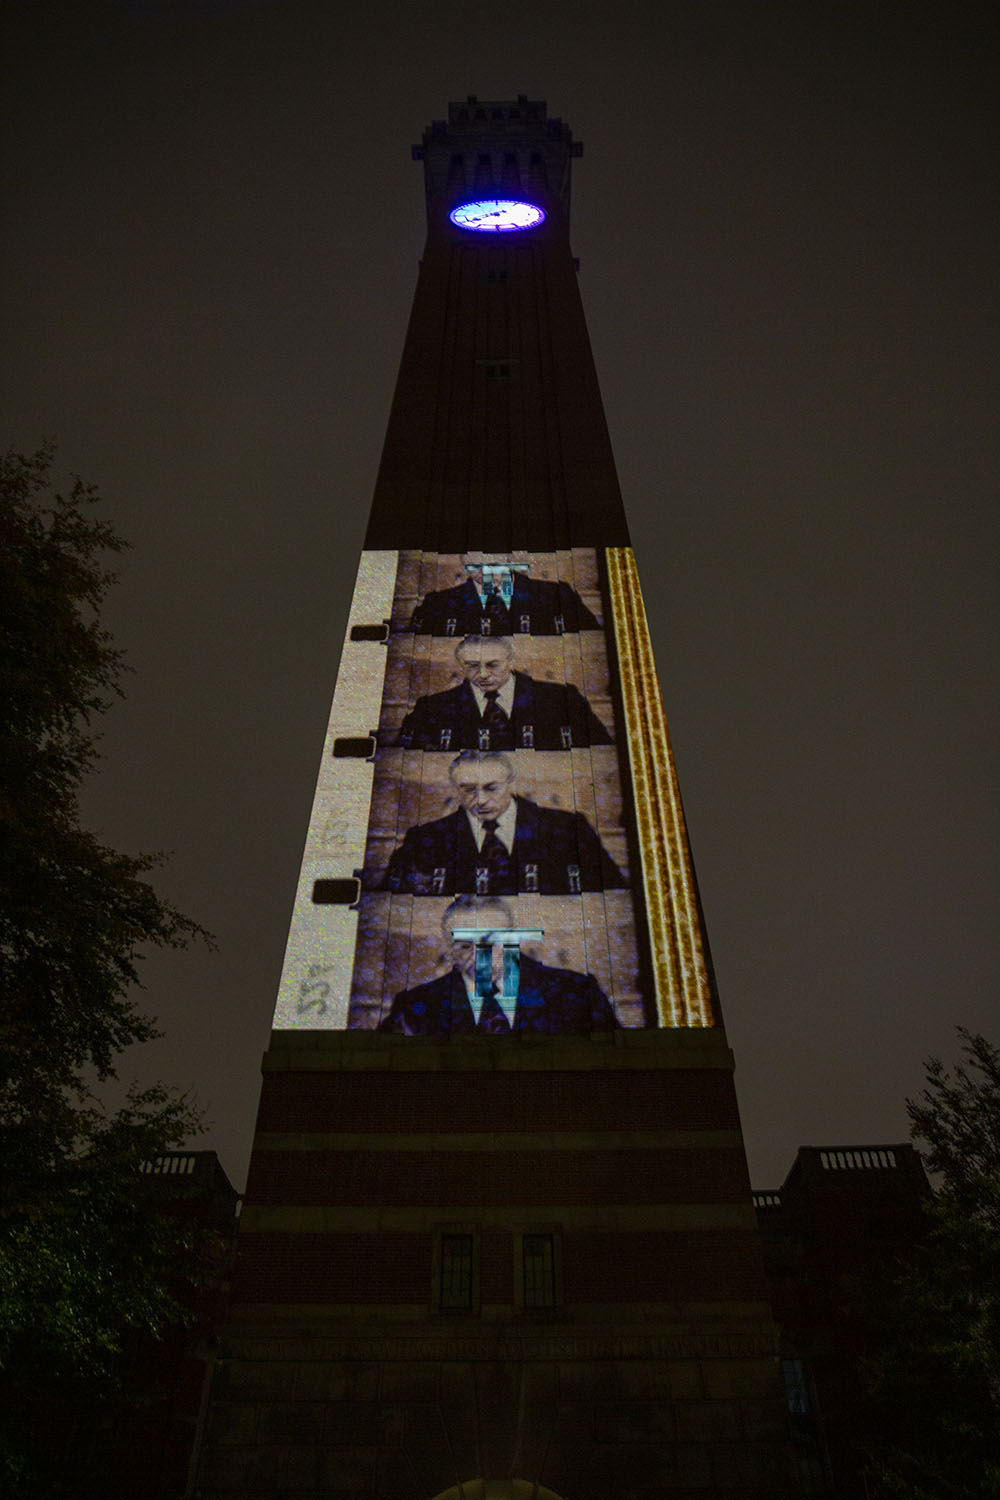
505	697
505	826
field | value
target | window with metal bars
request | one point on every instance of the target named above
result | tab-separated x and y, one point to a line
539	1270
455	1291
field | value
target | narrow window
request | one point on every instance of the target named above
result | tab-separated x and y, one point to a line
539	1269
796	1389
456	1272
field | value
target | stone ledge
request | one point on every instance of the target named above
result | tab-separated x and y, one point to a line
315	1322
565	1140
371	1051
733	1340
417	1219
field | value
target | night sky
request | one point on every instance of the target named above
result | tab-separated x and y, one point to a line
786	216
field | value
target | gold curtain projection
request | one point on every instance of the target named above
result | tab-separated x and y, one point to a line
680	969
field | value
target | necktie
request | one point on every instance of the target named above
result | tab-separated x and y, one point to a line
496	723
497	861
495	610
493	715
491	1018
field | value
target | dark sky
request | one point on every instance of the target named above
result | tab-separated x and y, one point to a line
786	216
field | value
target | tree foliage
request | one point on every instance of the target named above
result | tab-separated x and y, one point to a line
937	1377
85	1254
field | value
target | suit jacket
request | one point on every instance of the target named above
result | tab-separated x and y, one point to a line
548	1001
544	716
555	853
537	607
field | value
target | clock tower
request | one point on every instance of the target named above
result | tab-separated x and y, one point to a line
498	1238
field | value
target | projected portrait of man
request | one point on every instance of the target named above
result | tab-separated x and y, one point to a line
495	707
497	603
496	843
524	996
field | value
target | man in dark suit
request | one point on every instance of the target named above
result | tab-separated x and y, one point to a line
547	1000
478	607
498	708
497	844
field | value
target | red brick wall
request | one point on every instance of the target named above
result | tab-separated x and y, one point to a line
665	1099
620	1266
465	1179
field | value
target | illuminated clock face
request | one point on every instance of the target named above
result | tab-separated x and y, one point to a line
496	215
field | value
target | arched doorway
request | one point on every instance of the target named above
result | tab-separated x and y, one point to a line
498	1489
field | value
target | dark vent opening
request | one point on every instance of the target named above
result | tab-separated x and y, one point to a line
336	892
359	747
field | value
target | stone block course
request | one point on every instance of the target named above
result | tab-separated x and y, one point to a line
321	1380
416	1103
763	1421
707	1421
251	1380
686	1382
726	1378
291	1422
353	1423
635	1422
231	1423
411	1381
476	1179
329	1469
752	1469
241	1470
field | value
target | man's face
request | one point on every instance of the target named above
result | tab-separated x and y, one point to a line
463	955
487	667
484	788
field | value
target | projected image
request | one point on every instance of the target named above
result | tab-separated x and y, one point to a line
477	593
493	704
475	764
493	838
551	963
496	808
493	985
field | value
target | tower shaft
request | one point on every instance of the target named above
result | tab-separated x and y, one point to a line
498	1240
497	436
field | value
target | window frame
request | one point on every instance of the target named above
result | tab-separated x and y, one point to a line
443	1232
551	1232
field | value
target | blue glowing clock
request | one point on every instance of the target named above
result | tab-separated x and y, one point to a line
497	215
